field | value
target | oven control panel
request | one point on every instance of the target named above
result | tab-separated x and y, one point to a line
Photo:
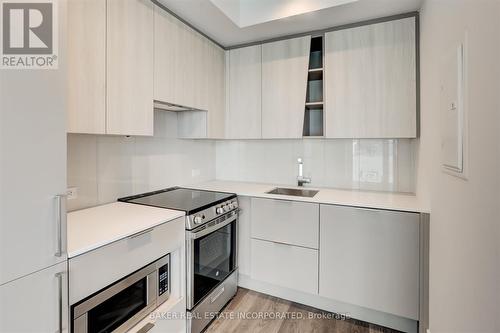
195	220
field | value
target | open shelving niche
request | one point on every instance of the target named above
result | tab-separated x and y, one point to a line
313	112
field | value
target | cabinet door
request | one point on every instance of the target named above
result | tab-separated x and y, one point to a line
284	81
215	86
285	265
370	258
290	222
87	66
32	165
36	303
167	68
130	67
244	112
370	81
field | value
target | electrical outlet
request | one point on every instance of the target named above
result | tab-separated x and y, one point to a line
72	193
195	172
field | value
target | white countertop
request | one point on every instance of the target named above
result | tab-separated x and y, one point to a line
366	199
94	227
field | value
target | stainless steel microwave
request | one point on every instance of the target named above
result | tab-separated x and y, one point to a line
123	304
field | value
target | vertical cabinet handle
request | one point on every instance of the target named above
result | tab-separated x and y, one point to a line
61	224
59	277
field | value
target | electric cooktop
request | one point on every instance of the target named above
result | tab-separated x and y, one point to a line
189	200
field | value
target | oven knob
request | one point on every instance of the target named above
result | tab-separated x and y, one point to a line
235	204
226	208
197	219
219	210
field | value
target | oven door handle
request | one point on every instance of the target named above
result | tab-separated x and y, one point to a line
206	231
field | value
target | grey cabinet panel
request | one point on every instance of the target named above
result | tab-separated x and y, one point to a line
370	258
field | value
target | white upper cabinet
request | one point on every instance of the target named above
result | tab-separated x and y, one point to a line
110	67
215	85
87	67
244	110
370	81
129	67
284	80
169	68
189	70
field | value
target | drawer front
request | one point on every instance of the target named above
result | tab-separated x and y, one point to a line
101	267
290	222
285	265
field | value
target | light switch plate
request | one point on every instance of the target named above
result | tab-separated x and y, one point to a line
72	193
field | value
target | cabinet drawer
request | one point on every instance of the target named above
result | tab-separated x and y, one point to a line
290	222
285	265
99	268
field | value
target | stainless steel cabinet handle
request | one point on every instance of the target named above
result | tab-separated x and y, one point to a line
146	328
61	225
59	277
141	233
220	292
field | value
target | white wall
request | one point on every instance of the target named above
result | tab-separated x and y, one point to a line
105	168
465	215
385	165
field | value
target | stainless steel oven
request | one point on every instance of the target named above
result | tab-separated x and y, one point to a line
122	305
211	268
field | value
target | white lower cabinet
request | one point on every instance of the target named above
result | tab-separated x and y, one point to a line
370	258
283	221
285	265
36	303
101	267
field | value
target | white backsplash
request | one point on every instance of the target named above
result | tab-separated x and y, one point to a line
375	164
105	168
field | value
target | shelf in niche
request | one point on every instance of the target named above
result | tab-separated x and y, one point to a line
313	122
315	75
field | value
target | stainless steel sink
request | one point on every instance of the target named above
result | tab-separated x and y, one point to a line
294	192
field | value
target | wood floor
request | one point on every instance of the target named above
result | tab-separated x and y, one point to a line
254	312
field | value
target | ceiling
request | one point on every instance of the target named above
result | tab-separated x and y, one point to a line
235	22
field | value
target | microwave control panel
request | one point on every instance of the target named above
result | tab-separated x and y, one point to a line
163	279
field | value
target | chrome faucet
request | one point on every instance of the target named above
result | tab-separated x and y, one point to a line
301	180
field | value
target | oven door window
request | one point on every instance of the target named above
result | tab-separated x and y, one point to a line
115	311
214	259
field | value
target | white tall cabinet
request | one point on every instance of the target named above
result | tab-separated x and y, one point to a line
285	66
370	81
36	303
32	174
244	109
